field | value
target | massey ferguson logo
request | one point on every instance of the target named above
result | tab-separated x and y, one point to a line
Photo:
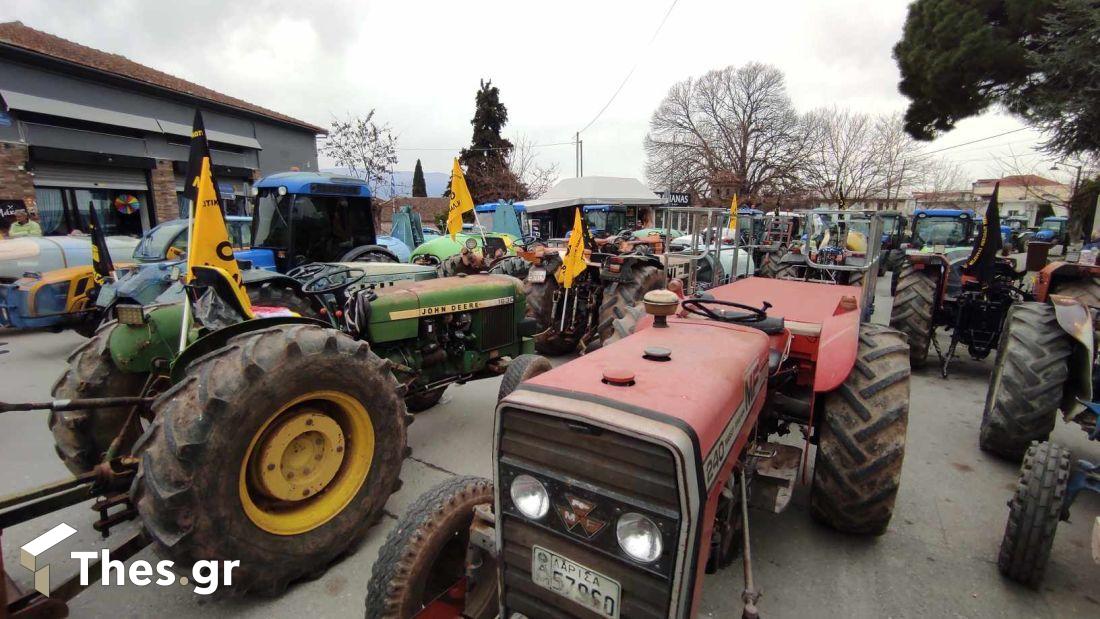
577	517
755	380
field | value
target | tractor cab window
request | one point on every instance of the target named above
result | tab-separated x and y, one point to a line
1055	225
166	241
941	231
327	227
269	220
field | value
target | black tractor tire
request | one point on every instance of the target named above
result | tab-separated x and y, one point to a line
268	295
81	437
520	369
89	323
452	266
861	437
191	488
369	254
540	306
511	265
1033	514
914	304
420	402
1029	376
425	554
620	297
769	263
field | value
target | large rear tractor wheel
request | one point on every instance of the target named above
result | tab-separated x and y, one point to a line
861	440
267	295
278	450
81	437
540	306
1029	377
520	369
914	303
620	297
769	264
1033	514
424	557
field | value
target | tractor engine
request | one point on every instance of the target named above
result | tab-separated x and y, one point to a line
449	329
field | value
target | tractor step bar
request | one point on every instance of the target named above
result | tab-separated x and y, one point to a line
776	469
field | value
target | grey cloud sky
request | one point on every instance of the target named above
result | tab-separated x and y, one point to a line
419	62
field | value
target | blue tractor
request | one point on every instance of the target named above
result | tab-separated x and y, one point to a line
1053	230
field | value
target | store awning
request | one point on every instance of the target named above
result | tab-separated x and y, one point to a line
56	107
172	128
594	190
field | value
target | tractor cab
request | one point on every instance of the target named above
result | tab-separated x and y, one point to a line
838	247
303	217
942	228
1053	230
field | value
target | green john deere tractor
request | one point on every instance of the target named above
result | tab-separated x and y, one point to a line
274	439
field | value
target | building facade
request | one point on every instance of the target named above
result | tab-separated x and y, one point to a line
82	127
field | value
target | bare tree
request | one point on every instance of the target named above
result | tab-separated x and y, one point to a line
534	178
941	176
902	166
367	149
736	122
844	158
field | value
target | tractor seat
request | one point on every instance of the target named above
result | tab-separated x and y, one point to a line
772	325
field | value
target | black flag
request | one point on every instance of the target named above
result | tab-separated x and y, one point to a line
981	260
101	258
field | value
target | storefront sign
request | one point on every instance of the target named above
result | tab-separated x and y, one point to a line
9	207
676	198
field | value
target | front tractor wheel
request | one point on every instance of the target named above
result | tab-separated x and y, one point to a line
278	450
1033	514
82	437
423	562
520	369
914	304
861	438
1029	377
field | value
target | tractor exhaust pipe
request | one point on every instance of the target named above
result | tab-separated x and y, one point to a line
69	405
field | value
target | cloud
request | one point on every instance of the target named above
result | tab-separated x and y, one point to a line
419	63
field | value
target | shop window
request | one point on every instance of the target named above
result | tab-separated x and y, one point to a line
62	210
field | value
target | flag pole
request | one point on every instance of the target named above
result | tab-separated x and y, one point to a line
186	321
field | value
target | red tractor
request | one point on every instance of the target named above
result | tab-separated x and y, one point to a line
623	477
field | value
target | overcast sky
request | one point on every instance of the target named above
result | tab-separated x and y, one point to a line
556	63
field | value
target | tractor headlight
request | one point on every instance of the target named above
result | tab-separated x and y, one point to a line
130	314
639	537
530	497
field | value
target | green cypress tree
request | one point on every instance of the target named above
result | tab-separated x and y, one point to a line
486	160
419	188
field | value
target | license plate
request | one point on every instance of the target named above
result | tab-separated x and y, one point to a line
575	582
536	276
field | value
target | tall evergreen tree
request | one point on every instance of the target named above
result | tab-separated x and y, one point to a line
419	188
486	160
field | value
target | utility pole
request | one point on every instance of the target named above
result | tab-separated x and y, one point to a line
579	156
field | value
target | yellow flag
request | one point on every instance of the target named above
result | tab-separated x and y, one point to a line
461	201
733	213
574	263
210	246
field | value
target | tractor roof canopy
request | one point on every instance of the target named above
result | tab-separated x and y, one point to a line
945	212
315	183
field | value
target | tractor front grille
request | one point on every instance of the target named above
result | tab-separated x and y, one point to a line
498	326
617	473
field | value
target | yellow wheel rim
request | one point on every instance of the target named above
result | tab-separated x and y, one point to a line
306	463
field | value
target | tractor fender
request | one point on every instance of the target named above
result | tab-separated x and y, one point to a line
258	277
217	339
1054	272
629	262
837	346
1076	320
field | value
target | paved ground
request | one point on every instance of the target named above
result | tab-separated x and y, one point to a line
937	560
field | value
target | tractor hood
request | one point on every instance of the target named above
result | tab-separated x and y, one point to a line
725	366
396	313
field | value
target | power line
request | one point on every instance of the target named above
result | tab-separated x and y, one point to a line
633	68
487	148
992	137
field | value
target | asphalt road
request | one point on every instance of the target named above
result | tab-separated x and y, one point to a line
938	559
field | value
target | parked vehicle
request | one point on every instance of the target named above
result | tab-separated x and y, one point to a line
622	478
1053	230
936	230
1014	233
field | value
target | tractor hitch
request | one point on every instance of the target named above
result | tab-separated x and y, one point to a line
77	404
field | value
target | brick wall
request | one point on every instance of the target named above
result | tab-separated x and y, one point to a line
16	183
164	191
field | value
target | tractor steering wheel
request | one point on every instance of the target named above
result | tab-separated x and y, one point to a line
334	281
699	307
307	272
